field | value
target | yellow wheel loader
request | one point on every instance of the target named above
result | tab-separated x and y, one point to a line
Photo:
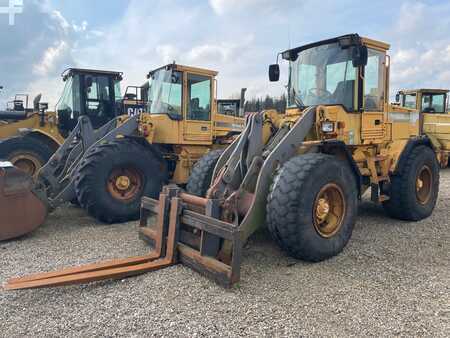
30	136
108	170
300	174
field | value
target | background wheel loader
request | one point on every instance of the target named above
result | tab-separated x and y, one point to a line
435	118
300	174
109	169
30	136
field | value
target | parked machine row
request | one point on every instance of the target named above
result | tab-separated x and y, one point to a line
301	174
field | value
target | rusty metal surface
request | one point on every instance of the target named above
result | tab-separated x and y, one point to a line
22	211
163	255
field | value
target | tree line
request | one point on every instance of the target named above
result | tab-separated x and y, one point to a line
269	102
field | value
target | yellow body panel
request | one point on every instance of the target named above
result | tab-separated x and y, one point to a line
33	124
438	126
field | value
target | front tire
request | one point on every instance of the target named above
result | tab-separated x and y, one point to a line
201	176
113	178
413	192
312	206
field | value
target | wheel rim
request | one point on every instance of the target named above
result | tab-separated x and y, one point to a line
125	183
424	184
329	210
26	162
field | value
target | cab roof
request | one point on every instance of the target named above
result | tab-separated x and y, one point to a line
69	72
183	68
344	40
424	90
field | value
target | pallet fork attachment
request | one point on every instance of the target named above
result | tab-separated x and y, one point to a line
169	247
162	255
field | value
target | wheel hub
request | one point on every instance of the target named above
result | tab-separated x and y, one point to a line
323	208
123	182
424	185
329	210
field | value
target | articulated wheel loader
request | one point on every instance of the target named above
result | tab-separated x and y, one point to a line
435	118
300	174
30	136
108	170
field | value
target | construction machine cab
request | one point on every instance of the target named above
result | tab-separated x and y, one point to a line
181	92
432	101
348	70
94	93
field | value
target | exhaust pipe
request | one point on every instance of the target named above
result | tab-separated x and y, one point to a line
242	102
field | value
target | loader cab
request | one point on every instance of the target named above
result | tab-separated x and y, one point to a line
185	94
94	93
134	100
349	71
428	101
230	107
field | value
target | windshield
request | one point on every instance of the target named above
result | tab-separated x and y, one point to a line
69	103
322	75
165	92
117	93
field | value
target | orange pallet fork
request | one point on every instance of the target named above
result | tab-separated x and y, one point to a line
178	235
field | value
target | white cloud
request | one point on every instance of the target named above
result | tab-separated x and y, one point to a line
167	53
50	58
239	38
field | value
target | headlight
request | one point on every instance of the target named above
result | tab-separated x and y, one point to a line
327	127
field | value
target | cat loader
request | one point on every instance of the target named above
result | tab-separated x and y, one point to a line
107	170
30	136
300	174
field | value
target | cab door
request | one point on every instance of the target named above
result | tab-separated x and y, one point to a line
372	119
198	102
435	118
99	104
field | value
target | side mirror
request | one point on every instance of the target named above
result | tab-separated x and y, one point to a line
359	56
397	97
274	72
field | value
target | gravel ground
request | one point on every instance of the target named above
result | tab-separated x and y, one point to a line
392	279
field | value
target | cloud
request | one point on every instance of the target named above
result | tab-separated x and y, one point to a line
420	46
239	38
50	58
37	49
225	6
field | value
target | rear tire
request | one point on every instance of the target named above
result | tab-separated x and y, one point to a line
27	153
312	206
413	192
201	176
113	178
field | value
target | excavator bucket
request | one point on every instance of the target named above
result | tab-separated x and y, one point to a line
22	211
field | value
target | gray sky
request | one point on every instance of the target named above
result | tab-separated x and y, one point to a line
239	38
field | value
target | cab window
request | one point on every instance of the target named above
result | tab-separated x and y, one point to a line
199	97
433	103
99	105
409	101
374	80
